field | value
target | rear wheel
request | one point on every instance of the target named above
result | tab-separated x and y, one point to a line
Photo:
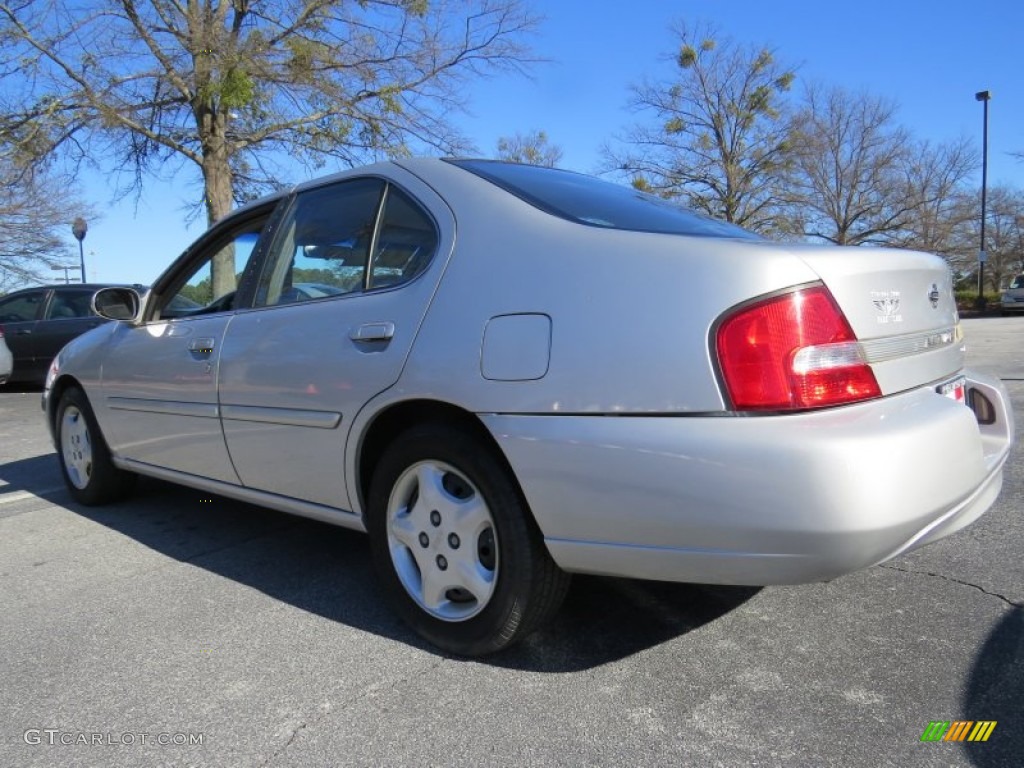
456	546
85	461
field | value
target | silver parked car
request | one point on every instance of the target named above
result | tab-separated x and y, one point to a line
1012	299
526	373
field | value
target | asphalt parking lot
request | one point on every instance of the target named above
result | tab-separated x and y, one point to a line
181	629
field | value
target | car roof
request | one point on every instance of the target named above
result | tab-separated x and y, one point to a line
275	197
71	286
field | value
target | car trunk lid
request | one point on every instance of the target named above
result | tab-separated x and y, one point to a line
900	305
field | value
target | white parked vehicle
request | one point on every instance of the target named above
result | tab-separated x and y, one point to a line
6	359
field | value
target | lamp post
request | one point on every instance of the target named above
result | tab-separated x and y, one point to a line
78	229
983	97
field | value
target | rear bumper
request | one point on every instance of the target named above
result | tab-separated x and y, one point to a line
760	500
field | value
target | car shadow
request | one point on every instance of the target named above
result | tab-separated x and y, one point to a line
21	386
996	692
327	571
605	619
39	475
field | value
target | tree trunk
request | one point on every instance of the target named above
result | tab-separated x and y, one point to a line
219	189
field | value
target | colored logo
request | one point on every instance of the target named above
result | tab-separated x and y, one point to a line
958	730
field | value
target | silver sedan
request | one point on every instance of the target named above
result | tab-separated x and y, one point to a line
517	373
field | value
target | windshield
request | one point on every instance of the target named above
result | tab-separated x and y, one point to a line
1018	282
598	203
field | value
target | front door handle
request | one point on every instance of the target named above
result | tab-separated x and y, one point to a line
201	346
23	332
368	332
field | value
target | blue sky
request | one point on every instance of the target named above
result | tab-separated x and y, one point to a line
929	57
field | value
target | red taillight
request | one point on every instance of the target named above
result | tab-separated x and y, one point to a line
791	352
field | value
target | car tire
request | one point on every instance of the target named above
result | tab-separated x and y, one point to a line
455	545
85	462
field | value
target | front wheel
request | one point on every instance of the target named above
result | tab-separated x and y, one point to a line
456	546
85	461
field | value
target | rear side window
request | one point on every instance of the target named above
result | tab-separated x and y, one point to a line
405	242
598	203
347	238
23	308
323	244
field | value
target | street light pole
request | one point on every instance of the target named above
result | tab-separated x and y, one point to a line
78	229
983	97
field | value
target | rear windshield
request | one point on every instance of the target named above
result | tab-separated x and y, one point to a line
598	203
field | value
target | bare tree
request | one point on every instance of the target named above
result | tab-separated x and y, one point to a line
1004	235
934	189
850	156
718	138
954	235
36	209
533	148
229	85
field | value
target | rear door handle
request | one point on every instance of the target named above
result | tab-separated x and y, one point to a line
373	332
23	332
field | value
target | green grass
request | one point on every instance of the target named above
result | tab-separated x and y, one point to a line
966	299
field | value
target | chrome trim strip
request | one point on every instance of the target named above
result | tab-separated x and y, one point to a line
292	417
168	407
893	347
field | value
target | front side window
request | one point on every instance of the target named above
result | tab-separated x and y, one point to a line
23	308
346	238
211	283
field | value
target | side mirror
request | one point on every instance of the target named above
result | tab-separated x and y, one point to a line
116	303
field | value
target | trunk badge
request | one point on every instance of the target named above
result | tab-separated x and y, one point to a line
933	296
888	305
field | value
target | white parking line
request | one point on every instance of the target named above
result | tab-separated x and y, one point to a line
10	498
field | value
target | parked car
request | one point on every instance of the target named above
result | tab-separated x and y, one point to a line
1012	299
37	322
538	373
6	360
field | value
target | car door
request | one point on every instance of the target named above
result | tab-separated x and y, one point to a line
159	382
19	316
297	368
68	314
